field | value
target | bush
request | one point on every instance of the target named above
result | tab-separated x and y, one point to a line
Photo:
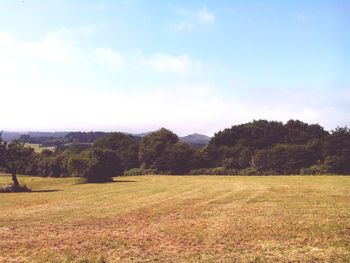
95	165
214	171
134	171
217	171
141	171
249	171
11	189
316	169
151	172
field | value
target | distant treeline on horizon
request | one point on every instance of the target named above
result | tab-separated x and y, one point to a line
255	148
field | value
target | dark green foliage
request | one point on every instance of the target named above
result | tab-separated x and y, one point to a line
316	170
154	146
162	150
53	165
14	156
125	146
140	171
86	137
213	171
337	150
283	159
255	148
134	171
95	165
277	148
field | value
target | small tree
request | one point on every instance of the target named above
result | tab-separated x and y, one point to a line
14	156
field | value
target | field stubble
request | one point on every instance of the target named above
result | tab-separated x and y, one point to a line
178	219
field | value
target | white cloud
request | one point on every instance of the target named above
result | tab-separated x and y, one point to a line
6	39
55	48
109	58
191	20
63	48
55	83
185	26
88	29
166	63
205	16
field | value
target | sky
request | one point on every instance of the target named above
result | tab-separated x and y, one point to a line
189	66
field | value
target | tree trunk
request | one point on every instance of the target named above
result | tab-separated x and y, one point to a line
15	182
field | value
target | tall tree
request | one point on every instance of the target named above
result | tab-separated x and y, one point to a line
154	147
125	146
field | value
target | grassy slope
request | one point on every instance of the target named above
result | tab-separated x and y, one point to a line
38	149
178	219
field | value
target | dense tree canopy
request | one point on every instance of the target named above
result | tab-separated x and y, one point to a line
95	165
125	146
258	147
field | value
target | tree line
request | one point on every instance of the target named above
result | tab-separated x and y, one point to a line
255	148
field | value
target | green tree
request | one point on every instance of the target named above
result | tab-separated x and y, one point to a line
154	147
125	146
337	150
284	159
95	165
14	156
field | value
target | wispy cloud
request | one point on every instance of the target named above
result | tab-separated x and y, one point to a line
55	48
88	29
109	58
190	20
185	26
47	76
205	16
166	63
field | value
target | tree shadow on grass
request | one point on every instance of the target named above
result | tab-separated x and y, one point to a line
108	182
123	181
31	191
44	191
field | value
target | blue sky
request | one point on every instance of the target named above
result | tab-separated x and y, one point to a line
191	66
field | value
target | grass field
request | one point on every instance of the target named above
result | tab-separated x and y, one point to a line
178	219
38	149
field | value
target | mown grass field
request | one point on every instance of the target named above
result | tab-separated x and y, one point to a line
38	149
178	219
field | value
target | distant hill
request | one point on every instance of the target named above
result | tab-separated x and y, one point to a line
58	138
46	134
9	136
196	139
141	135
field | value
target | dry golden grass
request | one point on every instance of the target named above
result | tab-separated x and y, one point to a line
178	219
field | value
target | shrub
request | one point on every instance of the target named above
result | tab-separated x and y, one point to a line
96	165
141	171
151	171
249	171
214	171
316	169
134	171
